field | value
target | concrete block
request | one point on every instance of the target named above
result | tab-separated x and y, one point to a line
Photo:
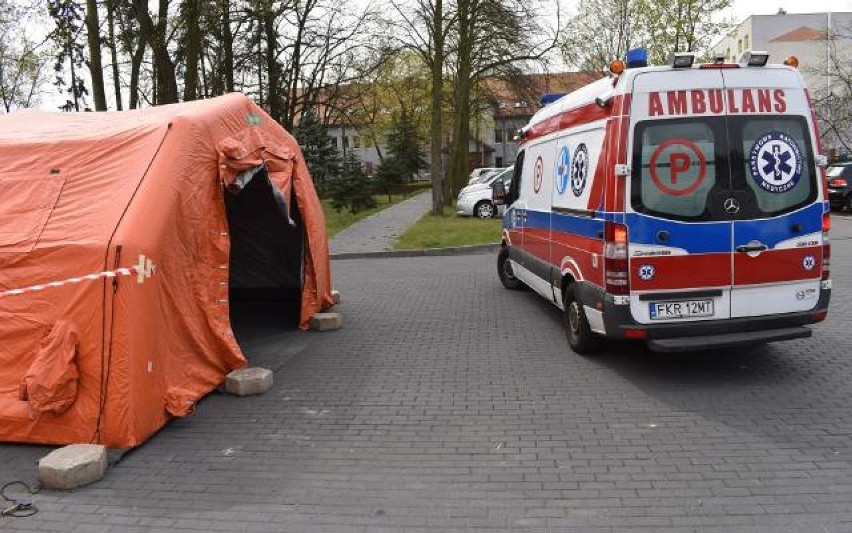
248	381
73	466
326	321
335	295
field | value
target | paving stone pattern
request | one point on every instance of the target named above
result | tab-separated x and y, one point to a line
448	404
380	232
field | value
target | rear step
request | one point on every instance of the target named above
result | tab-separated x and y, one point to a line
727	340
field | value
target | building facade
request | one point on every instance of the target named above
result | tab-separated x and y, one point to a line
818	40
507	104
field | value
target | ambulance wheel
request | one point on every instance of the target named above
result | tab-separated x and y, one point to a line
504	270
581	339
485	209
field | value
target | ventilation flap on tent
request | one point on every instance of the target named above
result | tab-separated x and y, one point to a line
243	157
50	384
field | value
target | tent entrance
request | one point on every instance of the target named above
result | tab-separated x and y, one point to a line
266	261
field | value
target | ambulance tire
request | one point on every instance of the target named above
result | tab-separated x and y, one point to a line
581	339
504	270
485	209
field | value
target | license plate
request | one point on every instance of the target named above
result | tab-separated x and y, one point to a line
681	309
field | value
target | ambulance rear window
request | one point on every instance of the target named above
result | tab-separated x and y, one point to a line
675	166
776	161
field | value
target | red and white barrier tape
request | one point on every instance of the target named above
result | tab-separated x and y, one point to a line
143	270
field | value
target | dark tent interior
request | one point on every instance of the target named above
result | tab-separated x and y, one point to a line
266	261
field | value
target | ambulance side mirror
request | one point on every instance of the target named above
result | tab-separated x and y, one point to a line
498	192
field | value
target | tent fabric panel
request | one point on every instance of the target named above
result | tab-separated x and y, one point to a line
171	337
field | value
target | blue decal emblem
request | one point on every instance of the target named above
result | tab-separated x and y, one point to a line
647	272
579	170
563	170
775	161
809	262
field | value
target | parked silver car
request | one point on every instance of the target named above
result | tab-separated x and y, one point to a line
475	199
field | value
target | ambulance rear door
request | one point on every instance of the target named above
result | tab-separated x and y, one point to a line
680	242
776	202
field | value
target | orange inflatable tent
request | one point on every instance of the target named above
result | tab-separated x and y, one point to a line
121	237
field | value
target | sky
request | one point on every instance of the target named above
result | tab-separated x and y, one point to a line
741	9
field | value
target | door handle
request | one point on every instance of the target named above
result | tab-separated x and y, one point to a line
744	249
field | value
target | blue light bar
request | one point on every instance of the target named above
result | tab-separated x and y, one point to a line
637	57
550	98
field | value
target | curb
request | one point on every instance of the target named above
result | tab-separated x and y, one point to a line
476	249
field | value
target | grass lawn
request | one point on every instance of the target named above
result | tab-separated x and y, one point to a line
448	231
335	222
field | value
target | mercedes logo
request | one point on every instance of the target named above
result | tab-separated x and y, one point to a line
732	206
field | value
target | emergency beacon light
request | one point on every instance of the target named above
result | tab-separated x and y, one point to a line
637	57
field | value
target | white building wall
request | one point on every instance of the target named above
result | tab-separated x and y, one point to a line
760	32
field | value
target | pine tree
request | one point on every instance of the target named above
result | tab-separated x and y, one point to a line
322	157
389	175
404	146
353	189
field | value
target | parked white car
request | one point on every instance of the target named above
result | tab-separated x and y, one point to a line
475	199
479	174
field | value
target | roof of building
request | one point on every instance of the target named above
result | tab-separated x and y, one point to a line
519	96
802	33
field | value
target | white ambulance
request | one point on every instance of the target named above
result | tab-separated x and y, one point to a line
684	205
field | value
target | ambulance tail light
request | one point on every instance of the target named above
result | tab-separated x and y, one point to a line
616	272
840	182
826	246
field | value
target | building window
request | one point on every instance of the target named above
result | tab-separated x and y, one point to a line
499	135
345	142
498	161
745	42
334	142
356	141
739	46
369	165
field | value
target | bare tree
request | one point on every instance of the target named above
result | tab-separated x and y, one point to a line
489	37
601	32
93	30
24	61
832	90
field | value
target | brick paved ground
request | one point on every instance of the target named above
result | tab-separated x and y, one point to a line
447	403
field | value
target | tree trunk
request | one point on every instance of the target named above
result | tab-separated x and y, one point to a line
95	65
436	126
273	69
227	46
113	54
135	71
164	68
193	49
295	67
459	150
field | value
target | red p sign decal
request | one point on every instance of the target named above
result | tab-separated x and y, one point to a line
679	162
683	176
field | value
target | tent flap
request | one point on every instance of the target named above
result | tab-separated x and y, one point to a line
50	384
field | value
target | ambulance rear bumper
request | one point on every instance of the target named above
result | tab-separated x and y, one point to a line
727	340
712	334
